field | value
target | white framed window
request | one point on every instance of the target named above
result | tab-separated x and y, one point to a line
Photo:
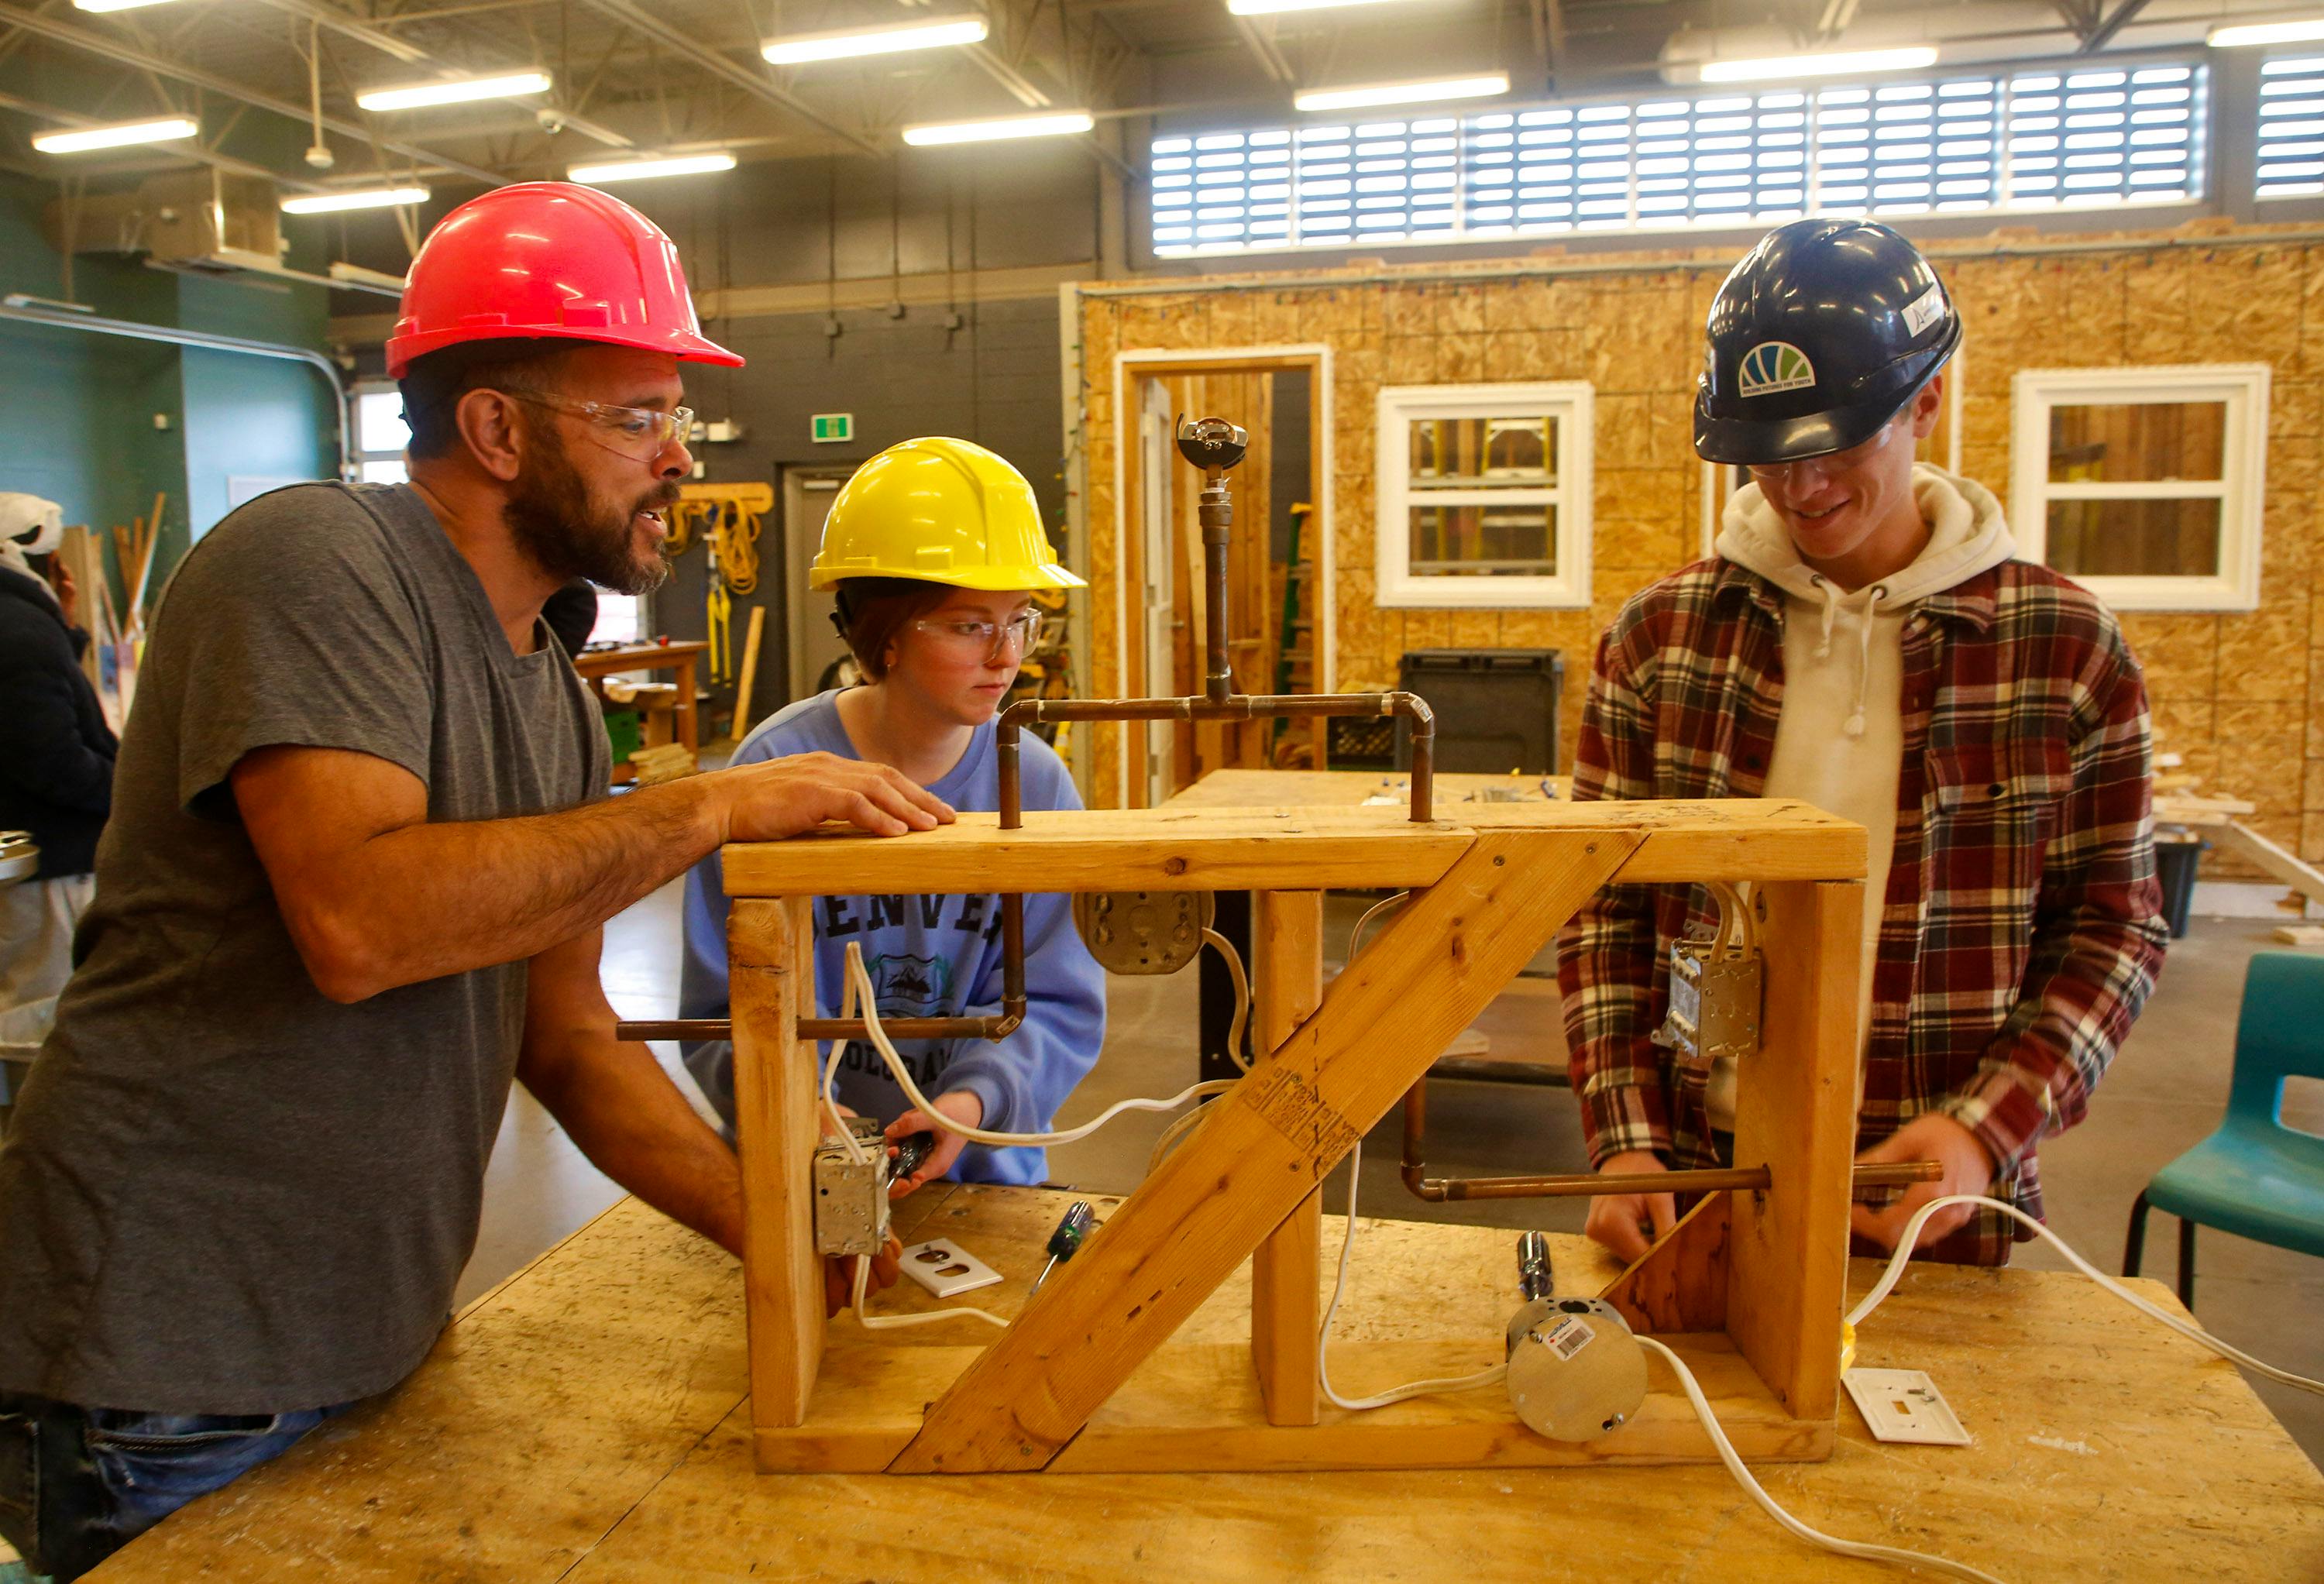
380	435
1484	496
2143	484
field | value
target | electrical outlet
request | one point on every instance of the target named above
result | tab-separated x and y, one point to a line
946	1269
1905	1405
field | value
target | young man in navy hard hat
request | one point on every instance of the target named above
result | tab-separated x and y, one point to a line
1864	640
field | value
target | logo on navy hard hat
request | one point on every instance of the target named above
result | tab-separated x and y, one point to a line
1773	366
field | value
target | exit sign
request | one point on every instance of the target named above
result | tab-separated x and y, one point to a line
831	426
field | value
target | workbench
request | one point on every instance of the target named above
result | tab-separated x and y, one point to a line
593	666
586	1422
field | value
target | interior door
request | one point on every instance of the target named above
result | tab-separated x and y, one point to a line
814	645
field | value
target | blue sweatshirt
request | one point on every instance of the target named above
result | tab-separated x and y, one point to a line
928	957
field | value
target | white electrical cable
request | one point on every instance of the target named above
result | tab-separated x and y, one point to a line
1872	1300
2192	1332
1356	935
1212	937
859	991
1727	1455
1418	1388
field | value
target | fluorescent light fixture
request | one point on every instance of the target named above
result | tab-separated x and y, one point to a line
839	44
111	5
116	135
1056	123
1270	7
2265	32
1833	63
1404	93
377	197
507	86
639	170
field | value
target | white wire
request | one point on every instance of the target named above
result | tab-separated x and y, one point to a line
1212	937
2188	1329
1356	935
1418	1388
888	1322
858	976
1727	1455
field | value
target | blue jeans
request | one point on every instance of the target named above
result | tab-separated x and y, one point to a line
78	1483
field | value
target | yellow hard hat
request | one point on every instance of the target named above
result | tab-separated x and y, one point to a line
942	512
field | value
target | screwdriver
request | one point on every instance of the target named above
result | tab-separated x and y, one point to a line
1066	1240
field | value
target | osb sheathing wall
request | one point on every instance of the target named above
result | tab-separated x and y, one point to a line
2241	696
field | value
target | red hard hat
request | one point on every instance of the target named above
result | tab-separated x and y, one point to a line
554	260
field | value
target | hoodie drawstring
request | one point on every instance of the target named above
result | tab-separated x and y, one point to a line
1830	613
1877	593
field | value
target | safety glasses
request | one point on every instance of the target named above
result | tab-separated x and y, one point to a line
983	641
640	433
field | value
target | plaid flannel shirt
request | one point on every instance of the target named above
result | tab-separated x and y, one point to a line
2021	930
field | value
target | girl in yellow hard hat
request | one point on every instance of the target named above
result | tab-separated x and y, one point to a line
933	551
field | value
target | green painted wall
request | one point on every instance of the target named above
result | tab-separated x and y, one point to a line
103	423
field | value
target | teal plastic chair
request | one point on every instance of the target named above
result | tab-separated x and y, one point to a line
2253	1177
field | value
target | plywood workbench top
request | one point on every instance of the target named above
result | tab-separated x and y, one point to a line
586	1422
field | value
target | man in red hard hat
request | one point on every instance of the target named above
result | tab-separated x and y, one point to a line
353	884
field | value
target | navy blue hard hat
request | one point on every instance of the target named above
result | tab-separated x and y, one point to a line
1821	336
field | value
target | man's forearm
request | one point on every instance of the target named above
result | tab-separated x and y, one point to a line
436	898
633	1125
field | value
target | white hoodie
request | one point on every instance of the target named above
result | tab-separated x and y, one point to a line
1840	735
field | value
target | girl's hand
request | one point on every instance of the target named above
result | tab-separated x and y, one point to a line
960	1106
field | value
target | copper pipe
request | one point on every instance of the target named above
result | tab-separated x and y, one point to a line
1589	1184
690	1029
1214	510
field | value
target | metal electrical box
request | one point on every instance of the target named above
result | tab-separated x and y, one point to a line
1715	1001
851	1196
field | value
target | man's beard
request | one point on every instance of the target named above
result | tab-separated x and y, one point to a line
569	534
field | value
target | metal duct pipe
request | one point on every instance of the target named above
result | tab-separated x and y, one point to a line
15	306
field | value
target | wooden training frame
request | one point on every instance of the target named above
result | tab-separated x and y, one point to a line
1748	1288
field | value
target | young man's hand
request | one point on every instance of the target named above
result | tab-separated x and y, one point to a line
961	1107
1621	1221
770	799
1967	1168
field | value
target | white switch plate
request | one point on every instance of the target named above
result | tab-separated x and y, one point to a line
946	1269
1905	1405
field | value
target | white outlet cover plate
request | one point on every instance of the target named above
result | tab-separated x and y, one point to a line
1905	1405
946	1269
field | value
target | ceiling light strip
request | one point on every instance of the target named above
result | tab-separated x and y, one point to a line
120	134
641	170
844	43
456	91
1055	124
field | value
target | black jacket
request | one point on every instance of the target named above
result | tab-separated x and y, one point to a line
55	752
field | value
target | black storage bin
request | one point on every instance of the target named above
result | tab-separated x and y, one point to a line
1496	708
2174	866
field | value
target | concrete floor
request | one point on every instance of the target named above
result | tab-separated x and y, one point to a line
2165	1094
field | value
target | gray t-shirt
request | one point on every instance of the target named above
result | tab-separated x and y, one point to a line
226	1194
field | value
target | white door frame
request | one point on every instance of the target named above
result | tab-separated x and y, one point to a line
1132	366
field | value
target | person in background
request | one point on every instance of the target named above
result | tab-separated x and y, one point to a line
1863	641
56	777
571	614
934	548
